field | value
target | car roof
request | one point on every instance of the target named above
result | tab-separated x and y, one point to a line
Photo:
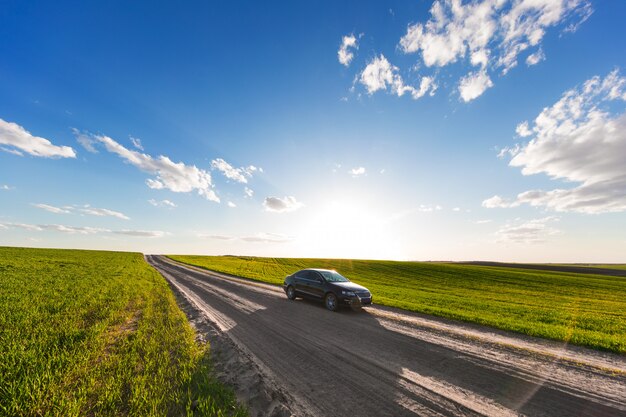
319	270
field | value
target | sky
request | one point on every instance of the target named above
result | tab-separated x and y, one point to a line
408	130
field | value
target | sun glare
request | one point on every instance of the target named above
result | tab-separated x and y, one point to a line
347	230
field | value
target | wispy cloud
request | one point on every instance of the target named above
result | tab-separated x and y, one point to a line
101	212
429	208
86	140
174	176
525	232
357	172
52	209
136	143
580	139
267	238
6	187
82	230
141	233
248	192
236	174
20	140
86	209
256	238
216	237
162	203
535	58
281	205
231	204
57	227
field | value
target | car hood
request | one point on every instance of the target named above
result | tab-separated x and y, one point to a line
350	286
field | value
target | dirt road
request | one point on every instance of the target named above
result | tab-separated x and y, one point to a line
384	362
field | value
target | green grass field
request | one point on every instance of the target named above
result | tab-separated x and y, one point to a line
587	310
85	333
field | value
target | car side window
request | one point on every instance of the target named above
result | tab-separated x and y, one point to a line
314	276
308	275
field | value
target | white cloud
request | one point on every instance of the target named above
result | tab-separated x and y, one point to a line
484	221
580	141
584	13
257	238
531	231
73	229
86	140
231	204
57	228
267	238
6	187
141	233
525	25
523	130
452	30
216	237
344	54
474	84
379	74
489	33
236	174
456	209
498	202
52	209
535	58
14	135
101	212
248	193
429	208
176	177
281	205
81	230
162	203
357	172
29	227
11	151
136	143
86	209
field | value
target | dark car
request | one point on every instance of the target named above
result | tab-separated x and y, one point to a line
327	285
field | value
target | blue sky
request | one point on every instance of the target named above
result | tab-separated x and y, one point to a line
451	130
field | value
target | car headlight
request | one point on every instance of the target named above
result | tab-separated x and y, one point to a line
348	293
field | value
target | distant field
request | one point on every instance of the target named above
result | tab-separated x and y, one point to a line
588	310
607	266
85	333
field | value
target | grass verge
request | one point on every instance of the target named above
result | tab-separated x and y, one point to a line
86	333
582	309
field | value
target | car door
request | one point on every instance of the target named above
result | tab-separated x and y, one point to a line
301	282
316	284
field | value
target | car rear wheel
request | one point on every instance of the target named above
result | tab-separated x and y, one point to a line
331	302
291	293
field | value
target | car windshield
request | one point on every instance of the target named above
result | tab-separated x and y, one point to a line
332	276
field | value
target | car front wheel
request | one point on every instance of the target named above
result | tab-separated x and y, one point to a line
291	293
331	302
